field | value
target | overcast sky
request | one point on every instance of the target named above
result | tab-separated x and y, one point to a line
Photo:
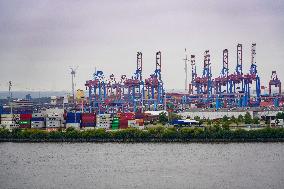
41	39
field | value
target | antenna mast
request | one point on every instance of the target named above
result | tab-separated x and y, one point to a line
185	70
10	96
73	73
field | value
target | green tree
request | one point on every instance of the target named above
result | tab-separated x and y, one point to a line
255	120
225	119
280	115
226	125
240	119
156	132
170	133
209	121
4	133
197	118
163	118
174	116
248	118
233	119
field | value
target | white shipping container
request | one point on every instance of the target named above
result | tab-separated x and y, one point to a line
103	115
103	121
9	126
5	126
102	125
88	128
53	124
7	122
75	125
16	116
7	116
13	126
135	124
54	118
37	124
7	119
37	115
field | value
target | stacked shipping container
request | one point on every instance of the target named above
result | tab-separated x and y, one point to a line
73	120
54	121
115	123
88	120
37	121
137	123
124	118
9	121
25	121
104	121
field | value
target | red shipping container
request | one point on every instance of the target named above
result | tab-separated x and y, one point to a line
123	125
25	116
88	118
26	126
88	115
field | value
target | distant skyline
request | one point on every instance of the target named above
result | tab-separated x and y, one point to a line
41	39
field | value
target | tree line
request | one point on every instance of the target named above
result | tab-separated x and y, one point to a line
157	134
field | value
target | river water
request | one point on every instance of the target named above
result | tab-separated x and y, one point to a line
141	165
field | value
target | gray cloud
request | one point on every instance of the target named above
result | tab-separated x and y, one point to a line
39	40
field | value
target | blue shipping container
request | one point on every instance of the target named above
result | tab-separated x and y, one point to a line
73	118
88	124
37	119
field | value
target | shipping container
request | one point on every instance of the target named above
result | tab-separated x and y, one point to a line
24	122
137	123
73	117
53	124
87	128
25	116
37	124
6	116
5	126
103	125
9	126
123	124
88	124
54	119
24	126
115	123
34	115
37	119
7	119
8	122
88	118
74	125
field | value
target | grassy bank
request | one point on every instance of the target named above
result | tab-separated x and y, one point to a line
159	134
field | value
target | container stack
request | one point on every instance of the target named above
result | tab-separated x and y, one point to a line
137	123
103	121
25	121
8	121
115	123
37	121
54	121
73	120
88	120
124	118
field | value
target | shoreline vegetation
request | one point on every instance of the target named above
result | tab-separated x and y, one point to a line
210	134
